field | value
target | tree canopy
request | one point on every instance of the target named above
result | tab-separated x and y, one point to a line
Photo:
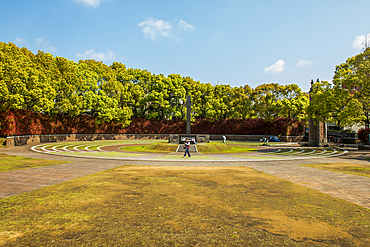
52	85
346	101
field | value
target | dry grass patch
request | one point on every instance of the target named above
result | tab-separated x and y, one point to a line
154	148
356	169
202	148
224	148
10	162
181	206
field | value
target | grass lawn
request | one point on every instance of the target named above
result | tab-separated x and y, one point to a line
181	206
214	147
248	143
152	148
102	154
356	169
10	163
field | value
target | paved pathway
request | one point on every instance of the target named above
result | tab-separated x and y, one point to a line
351	188
104	150
20	181
348	187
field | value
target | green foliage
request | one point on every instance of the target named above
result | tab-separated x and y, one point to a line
241	103
23	85
274	100
335	104
346	101
294	108
264	98
57	86
353	76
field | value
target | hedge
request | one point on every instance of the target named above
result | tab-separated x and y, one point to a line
21	122
363	135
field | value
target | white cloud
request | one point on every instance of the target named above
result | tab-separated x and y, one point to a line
45	45
154	28
277	67
39	41
19	40
304	63
108	55
185	26
359	41
93	3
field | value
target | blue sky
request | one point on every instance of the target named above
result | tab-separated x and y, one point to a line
235	42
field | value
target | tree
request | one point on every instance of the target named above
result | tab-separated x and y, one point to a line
176	96
130	93
25	83
55	85
354	76
105	96
140	80
219	102
330	103
200	95
293	105
241	103
68	99
264	97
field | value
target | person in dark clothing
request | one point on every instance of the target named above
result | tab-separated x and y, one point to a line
187	148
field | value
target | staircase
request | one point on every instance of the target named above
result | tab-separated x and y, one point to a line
181	148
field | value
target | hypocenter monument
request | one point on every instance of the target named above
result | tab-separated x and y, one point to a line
194	138
317	130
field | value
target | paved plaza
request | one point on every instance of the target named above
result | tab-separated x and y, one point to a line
352	188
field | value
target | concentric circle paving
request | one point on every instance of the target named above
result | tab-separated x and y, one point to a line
111	150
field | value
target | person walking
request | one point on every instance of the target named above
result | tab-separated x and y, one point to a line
187	148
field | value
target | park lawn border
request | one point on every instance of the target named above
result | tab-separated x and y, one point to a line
99	154
12	163
343	167
161	205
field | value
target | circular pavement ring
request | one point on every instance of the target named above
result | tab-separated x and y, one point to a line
112	151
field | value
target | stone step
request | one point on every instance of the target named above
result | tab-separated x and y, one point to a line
182	148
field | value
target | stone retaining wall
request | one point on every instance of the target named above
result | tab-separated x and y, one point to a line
24	140
256	138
